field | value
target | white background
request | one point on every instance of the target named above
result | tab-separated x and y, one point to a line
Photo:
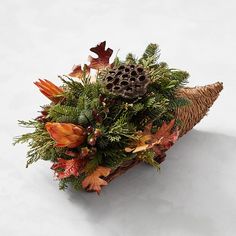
195	191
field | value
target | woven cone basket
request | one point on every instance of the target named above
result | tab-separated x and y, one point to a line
201	99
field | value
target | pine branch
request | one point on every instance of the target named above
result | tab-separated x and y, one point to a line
114	159
179	102
150	55
93	163
60	112
130	59
149	157
116	62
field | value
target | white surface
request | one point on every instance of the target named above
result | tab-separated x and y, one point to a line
195	192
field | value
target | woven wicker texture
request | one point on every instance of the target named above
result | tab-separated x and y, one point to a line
201	99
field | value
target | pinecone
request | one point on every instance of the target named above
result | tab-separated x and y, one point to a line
128	81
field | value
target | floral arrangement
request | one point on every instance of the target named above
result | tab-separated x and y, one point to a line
105	114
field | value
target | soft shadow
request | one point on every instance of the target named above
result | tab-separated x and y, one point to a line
171	199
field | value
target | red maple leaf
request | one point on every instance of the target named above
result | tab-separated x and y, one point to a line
70	167
103	56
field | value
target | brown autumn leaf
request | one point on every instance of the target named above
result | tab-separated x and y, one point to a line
102	61
78	71
93	182
160	141
70	167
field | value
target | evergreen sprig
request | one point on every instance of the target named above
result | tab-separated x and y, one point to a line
40	144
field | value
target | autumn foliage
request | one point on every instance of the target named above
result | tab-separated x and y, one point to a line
94	182
102	61
68	167
159	141
78	71
50	90
104	115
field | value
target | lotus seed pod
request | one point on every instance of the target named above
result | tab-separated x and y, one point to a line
128	81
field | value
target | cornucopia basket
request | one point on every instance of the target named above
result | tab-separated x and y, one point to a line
99	125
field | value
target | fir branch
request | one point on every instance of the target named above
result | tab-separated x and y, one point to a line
71	85
130	59
179	102
149	157
116	62
75	182
114	159
93	163
58	111
138	107
150	55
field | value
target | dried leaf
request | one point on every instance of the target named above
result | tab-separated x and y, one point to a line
50	90
166	137
78	72
71	167
160	141
103	56
93	182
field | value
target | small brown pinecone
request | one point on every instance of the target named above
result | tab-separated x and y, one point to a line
128	81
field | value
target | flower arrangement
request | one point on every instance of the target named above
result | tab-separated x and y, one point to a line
105	115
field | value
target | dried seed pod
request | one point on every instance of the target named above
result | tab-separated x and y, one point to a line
128	81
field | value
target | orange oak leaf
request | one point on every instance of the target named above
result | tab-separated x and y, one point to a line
78	72
70	167
160	141
166	137
102	61
66	134
50	90
93	182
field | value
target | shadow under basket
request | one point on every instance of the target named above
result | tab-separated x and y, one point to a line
201	99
